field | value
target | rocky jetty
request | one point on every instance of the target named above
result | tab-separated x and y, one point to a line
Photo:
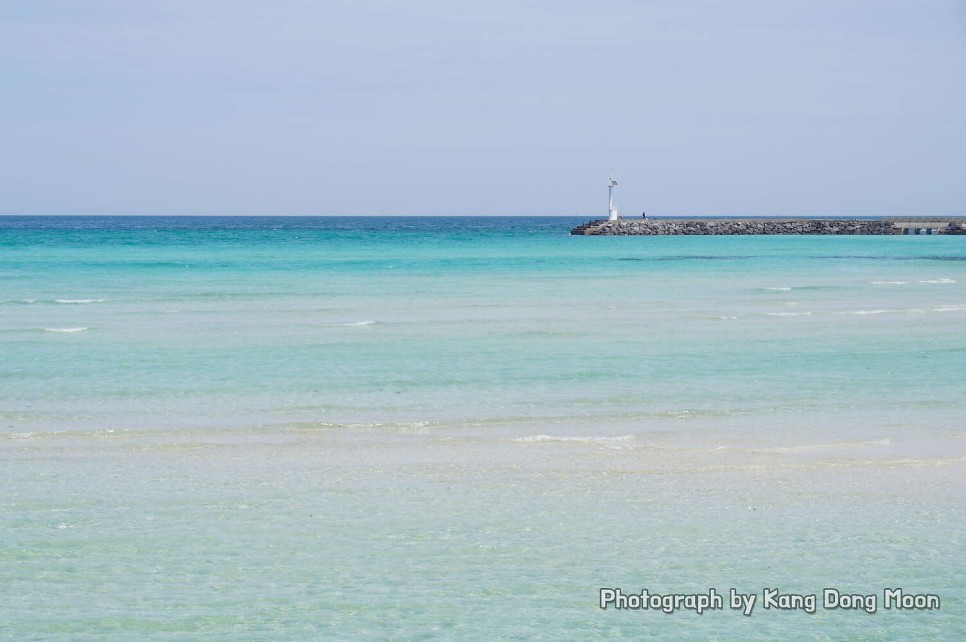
673	227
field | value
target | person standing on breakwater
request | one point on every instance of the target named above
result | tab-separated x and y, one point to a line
644	214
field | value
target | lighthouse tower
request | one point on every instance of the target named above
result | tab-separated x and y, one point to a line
612	214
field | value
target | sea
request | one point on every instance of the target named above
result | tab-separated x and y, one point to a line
452	428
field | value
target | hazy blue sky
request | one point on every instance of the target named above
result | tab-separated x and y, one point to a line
757	107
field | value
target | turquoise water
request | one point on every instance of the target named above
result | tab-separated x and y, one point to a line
413	428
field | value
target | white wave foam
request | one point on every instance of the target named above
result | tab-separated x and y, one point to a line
357	324
610	442
869	311
77	329
939	281
788	314
679	414
780	289
724	317
942	308
79	301
406	426
889	282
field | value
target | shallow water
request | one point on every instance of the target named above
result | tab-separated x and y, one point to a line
463	428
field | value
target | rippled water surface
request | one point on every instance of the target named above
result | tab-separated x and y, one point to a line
418	428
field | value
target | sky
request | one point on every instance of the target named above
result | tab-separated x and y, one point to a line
502	107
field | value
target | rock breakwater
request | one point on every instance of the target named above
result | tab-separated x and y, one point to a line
672	227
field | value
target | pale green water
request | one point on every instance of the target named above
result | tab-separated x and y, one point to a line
462	429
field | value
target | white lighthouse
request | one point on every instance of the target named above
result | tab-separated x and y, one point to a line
612	214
